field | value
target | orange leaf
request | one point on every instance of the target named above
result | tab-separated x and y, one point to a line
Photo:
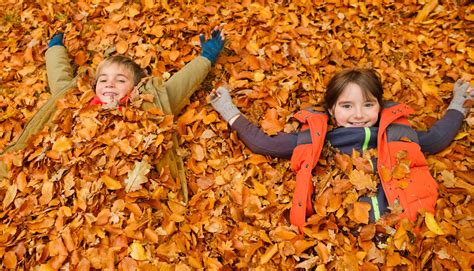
423	13
81	58
360	212
121	46
174	55
361	180
323	252
256	159
10	260
270	123
110	182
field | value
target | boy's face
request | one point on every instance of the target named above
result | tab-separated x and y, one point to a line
352	109
113	83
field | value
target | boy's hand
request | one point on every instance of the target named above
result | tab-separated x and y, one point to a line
56	40
212	47
463	95
222	103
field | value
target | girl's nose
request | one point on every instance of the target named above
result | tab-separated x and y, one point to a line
358	112
110	83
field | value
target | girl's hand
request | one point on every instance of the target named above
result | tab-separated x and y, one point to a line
463	96
222	103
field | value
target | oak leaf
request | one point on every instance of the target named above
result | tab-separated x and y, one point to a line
137	176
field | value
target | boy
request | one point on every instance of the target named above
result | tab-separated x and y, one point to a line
116	78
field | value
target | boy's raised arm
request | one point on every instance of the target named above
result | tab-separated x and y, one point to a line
58	66
183	83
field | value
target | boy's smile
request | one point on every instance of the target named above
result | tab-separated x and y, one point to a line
352	109
113	83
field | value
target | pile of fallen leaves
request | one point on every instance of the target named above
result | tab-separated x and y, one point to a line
86	192
92	176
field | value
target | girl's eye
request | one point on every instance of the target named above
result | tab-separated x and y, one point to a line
346	106
369	104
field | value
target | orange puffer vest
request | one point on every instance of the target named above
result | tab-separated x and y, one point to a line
417	190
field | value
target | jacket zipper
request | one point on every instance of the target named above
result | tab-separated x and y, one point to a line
374	200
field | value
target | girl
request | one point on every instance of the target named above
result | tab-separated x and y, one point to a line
363	121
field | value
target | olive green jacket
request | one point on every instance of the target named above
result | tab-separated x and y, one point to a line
170	96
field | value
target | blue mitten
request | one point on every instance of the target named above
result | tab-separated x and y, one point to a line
212	47
56	40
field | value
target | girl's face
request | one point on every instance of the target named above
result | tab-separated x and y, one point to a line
113	83
352	109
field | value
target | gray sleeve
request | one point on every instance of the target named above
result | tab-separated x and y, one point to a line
442	133
280	145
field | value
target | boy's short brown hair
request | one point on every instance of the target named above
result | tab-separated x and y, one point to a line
124	62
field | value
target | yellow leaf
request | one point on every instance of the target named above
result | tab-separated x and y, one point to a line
283	234
9	196
196	263
423	14
429	90
269	254
302	245
110	182
124	146
148	3
137	252
323	252
132	12
260	189
461	135
258	76
252	47
114	6
46	267
432	225
212	117
62	144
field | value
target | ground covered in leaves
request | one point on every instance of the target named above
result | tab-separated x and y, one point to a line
85	194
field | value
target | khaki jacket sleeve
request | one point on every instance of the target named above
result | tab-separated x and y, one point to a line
58	68
183	83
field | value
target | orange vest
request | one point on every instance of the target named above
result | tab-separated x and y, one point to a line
418	191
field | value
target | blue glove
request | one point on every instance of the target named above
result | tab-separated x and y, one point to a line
56	40
212	47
